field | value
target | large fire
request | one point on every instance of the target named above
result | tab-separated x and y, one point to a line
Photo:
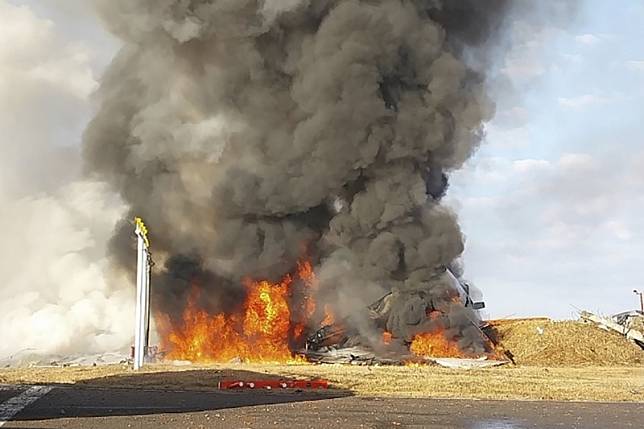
434	344
271	324
263	332
438	344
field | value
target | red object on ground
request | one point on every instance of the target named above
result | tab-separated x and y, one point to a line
274	384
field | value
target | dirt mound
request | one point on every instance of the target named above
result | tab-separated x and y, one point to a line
545	342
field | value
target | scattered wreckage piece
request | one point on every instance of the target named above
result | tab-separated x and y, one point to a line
630	319
336	334
359	356
609	324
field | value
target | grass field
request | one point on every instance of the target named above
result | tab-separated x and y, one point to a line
509	382
564	360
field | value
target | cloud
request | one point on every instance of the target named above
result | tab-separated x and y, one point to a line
554	227
576	161
561	222
499	137
587	39
619	229
573	58
583	101
637	66
529	165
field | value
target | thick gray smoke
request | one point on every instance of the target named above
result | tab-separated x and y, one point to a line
248	132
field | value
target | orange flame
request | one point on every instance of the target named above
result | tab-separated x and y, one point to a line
329	316
434	344
268	327
263	332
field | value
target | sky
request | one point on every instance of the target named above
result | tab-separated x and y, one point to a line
550	204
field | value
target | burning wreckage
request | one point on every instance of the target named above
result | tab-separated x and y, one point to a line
291	159
277	323
408	326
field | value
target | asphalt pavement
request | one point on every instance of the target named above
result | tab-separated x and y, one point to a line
74	407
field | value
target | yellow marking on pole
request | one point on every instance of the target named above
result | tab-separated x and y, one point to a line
143	229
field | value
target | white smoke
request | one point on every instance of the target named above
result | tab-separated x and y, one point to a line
55	295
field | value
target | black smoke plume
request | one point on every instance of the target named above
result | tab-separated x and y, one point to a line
246	131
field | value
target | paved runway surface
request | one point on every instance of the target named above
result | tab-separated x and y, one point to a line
71	407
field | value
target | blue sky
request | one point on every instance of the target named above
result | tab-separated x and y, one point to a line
551	204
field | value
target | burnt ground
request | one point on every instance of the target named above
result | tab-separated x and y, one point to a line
82	407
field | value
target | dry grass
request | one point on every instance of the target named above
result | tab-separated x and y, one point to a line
545	342
535	383
571	361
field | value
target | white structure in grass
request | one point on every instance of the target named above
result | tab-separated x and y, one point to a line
143	266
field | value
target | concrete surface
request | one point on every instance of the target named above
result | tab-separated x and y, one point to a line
72	407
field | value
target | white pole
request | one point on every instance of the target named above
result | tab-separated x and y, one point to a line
140	268
142	305
146	314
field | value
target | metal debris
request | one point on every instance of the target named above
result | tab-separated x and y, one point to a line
612	325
